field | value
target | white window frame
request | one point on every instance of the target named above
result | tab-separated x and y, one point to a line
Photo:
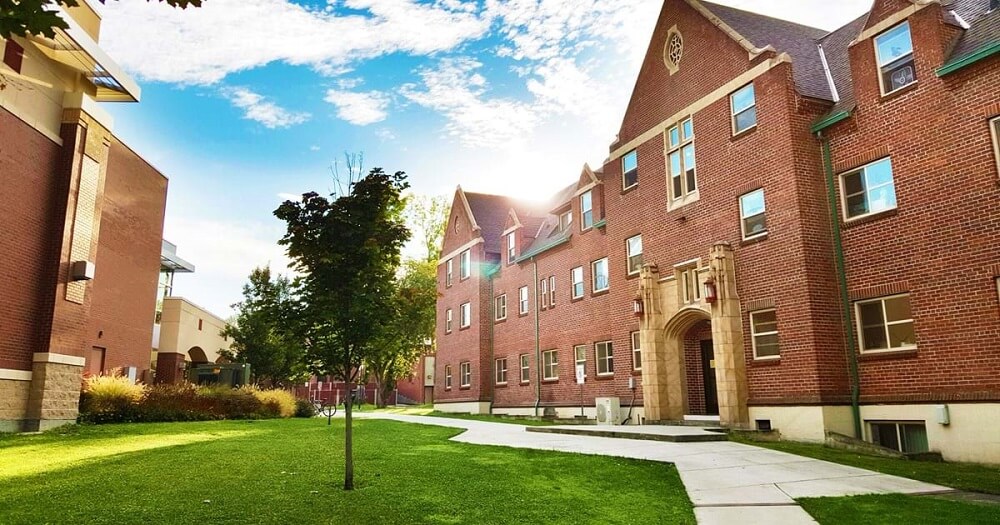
448	316
525	361
565	220
543	293
899	431
447	377
880	66
861	171
523	306
500	307
677	146
594	275
585	223
465	374
575	283
744	216
578	351
751	107
465	315
995	133
449	272
500	368
550	365
629	255
636	350
608	360
465	265
552	291
754	334
860	326
511	247
635	155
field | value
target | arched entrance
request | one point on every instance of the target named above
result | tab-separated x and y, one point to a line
699	368
197	355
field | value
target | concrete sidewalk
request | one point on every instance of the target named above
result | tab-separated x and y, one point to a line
727	482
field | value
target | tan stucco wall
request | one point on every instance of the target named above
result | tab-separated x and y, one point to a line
806	423
472	407
39	106
179	331
973	435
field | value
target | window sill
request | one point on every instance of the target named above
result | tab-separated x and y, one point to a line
465	387
630	276
865	219
463	279
498	321
550	381
737	136
677	204
448	332
630	189
575	299
766	361
587	229
500	385
600	292
447	389
524	314
900	91
636	373
882	355
605	377
525	383
463	328
750	241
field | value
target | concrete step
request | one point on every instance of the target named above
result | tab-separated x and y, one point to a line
675	434
694	421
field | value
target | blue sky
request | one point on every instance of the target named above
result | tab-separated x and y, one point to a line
247	102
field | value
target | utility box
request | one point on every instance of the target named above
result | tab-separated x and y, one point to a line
230	374
609	411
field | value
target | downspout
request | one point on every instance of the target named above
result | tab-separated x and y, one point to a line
493	361
538	350
838	251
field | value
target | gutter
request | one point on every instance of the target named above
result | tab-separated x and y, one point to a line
980	54
829	120
538	350
838	249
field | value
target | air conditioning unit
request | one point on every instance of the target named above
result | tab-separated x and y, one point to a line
609	411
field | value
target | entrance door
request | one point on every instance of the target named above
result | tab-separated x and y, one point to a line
708	371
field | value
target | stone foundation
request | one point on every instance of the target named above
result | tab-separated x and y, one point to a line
14	387
54	393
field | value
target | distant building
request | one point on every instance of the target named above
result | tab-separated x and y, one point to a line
81	219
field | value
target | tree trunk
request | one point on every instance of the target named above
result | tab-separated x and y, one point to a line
348	445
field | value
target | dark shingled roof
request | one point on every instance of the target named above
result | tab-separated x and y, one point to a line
835	48
490	213
984	27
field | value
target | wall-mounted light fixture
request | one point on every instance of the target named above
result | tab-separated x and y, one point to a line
711	294
637	307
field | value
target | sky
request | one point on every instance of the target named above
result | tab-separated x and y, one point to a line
247	103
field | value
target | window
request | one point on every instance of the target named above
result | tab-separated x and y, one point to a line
680	160
690	288
764	331
894	51
752	217
448	273
630	170
543	287
511	247
636	352
525	368
869	190
744	107
586	210
500	309
580	355
465	265
599	269
447	321
447	377
605	359
465	369
13	55
565	220
550	365
522	299
886	324
465	315
633	251
552	290
995	130
576	275
908	437
501	371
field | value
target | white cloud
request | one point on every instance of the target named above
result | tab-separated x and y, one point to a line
289	196
256	107
203	45
313	148
385	134
359	108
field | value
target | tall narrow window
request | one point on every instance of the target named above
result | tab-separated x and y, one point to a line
636	352
764	330
447	377
886	324
522	300
465	315
744	107
447	321
525	368
680	161
580	356
552	290
465	265
995	131
511	247
449	270
543	293
586	210
599	269
500	307
752	217
633	253
13	55
565	220
605	358
576	276
894	50
465	369
630	170
869	190
550	365
501	371
690	287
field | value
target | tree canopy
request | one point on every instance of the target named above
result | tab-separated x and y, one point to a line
41	17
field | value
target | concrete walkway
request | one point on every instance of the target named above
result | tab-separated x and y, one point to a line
727	482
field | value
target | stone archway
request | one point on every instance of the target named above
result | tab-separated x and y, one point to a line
197	355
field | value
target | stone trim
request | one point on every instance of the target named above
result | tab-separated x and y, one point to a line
861	159
458	251
759	304
15	375
893	20
61	359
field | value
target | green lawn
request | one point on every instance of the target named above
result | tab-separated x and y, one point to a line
897	508
424	410
290	471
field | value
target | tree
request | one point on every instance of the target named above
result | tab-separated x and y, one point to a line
347	250
41	17
261	331
410	326
429	216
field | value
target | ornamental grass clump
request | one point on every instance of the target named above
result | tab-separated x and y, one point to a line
277	403
110	399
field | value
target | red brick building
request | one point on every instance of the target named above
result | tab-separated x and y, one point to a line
82	222
795	229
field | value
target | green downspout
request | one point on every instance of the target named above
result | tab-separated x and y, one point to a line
538	350
493	361
838	250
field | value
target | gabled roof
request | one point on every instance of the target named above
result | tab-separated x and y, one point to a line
983	31
835	46
489	212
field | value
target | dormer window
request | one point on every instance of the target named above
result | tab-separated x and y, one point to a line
586	211
511	247
565	220
630	170
894	52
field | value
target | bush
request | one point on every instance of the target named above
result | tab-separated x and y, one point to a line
279	402
304	408
110	399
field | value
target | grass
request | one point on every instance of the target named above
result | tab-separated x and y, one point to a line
425	410
898	508
291	471
963	476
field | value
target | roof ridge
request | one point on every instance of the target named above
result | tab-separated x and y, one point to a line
711	5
